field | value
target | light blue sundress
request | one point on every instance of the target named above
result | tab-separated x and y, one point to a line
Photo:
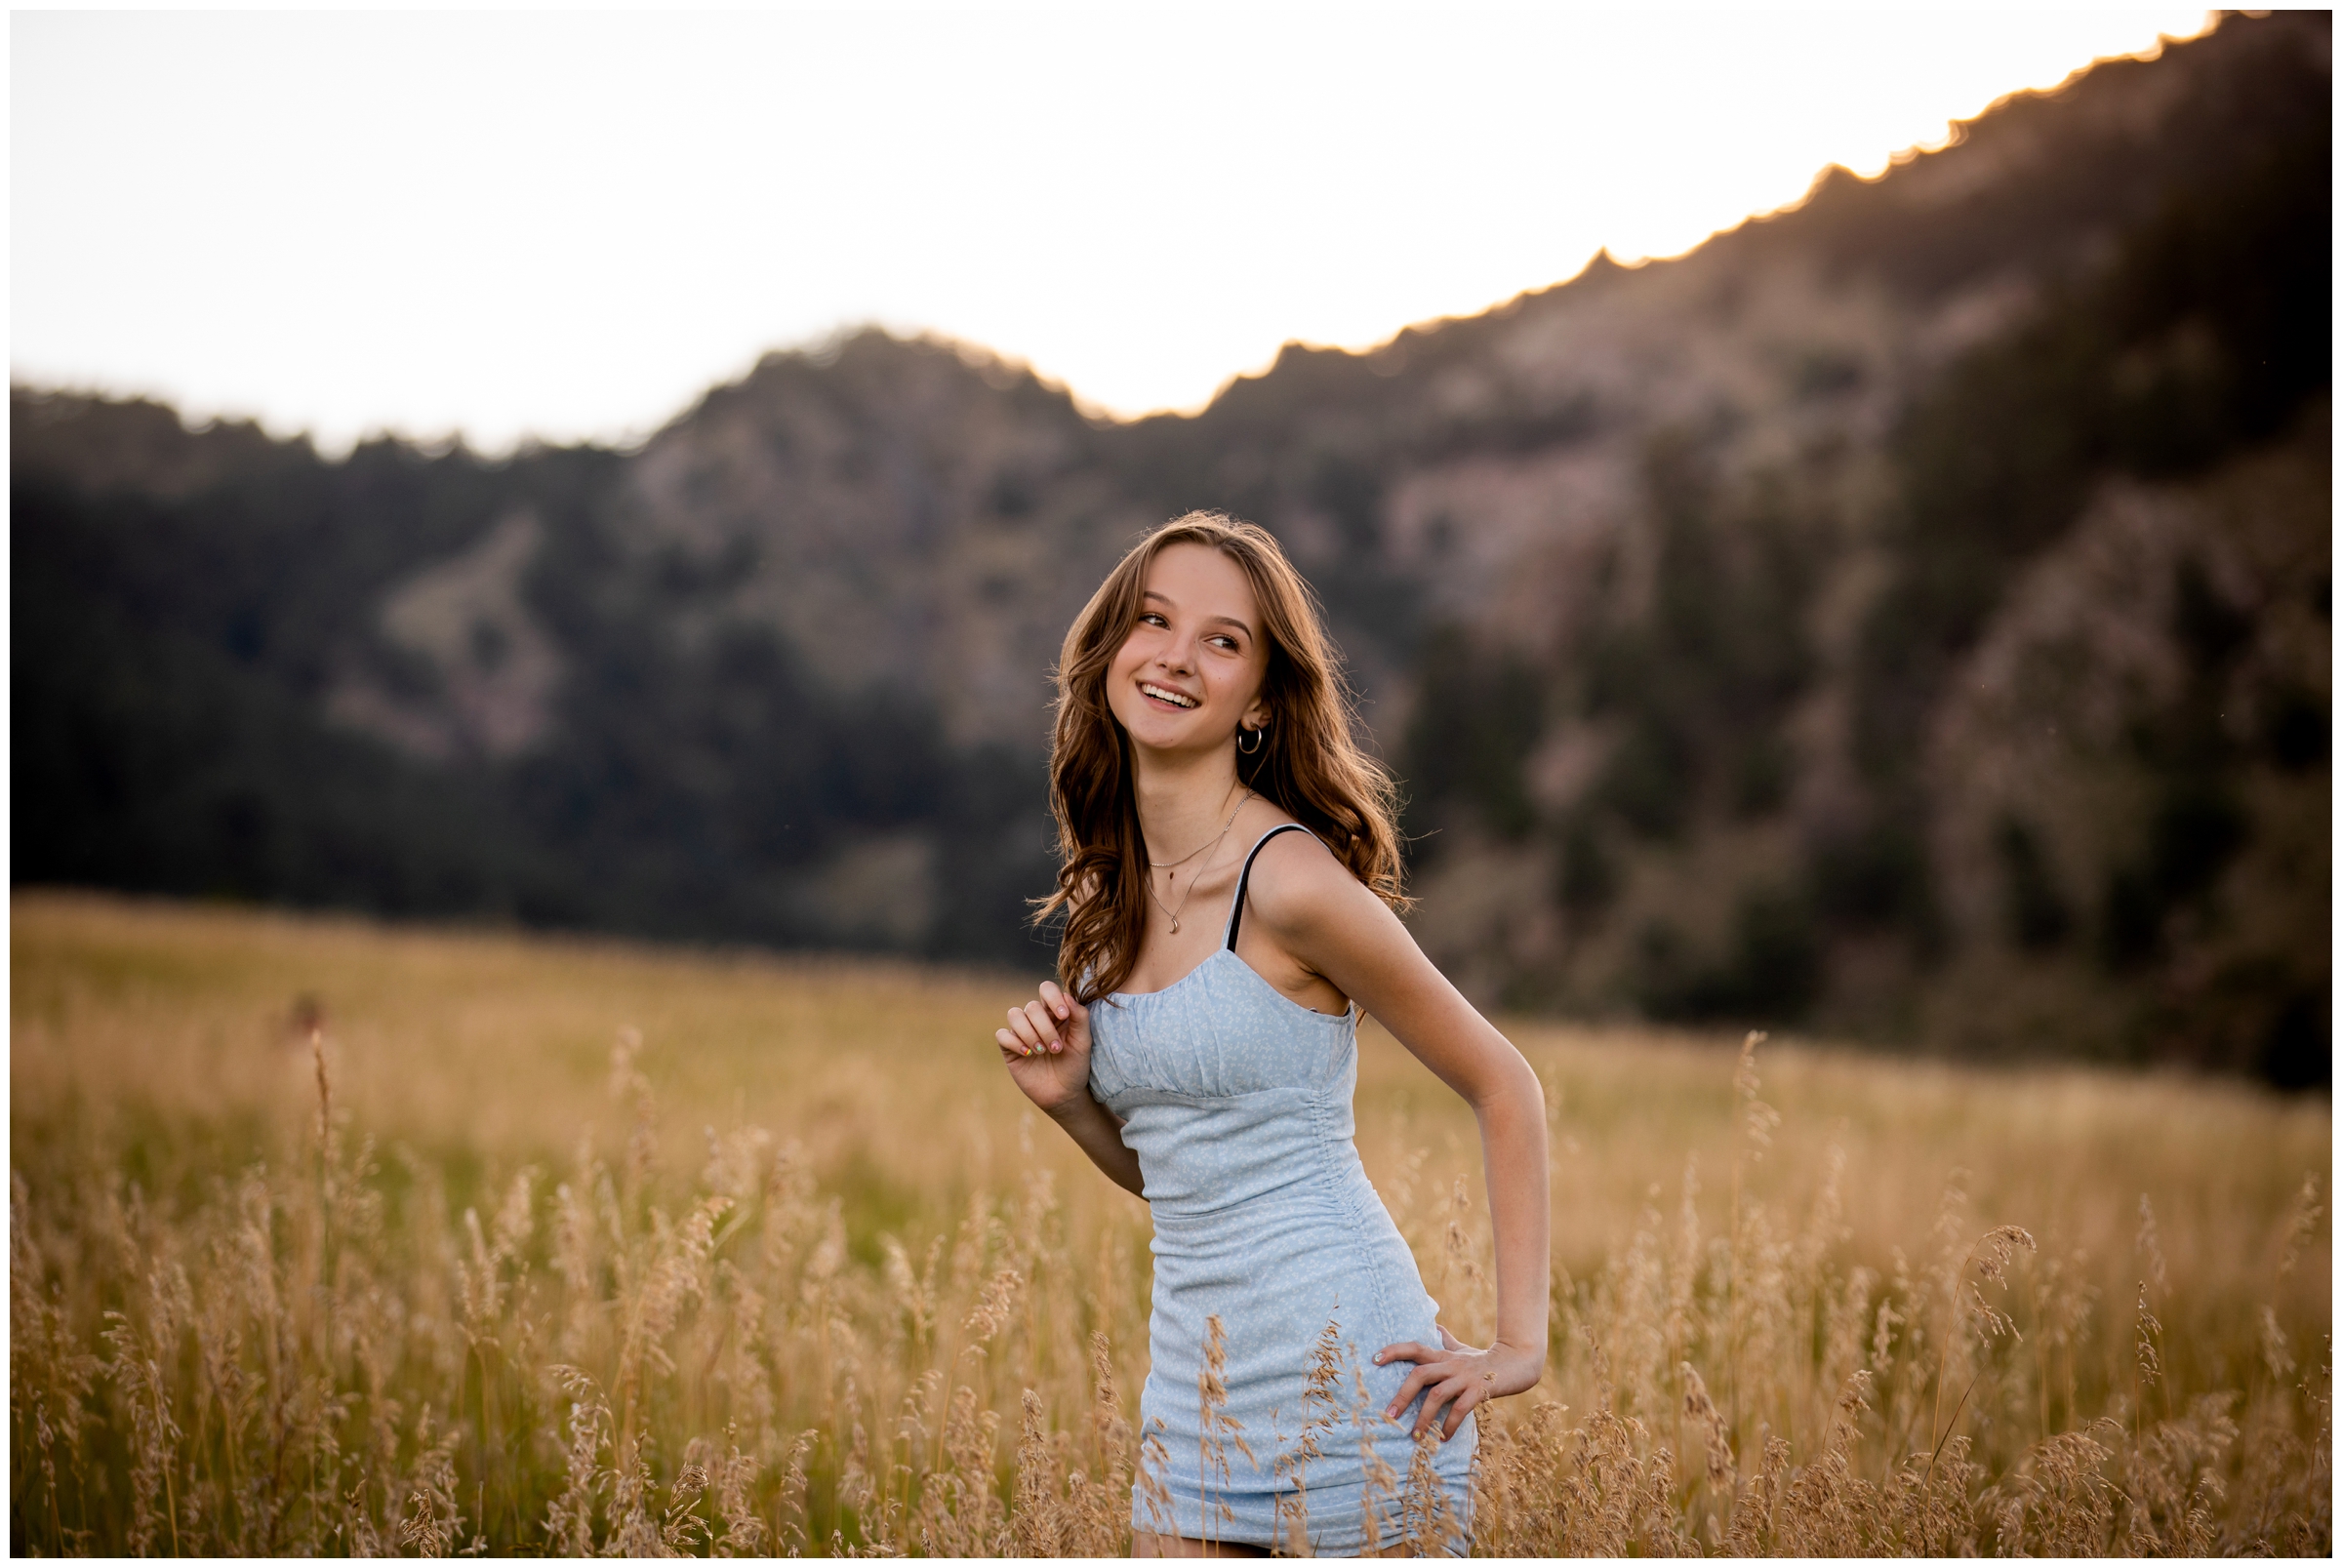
1237	1099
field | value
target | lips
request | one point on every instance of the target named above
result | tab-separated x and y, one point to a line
1164	693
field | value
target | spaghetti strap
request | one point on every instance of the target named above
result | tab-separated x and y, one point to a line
1235	910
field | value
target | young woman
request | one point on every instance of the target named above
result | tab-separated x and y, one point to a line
1230	873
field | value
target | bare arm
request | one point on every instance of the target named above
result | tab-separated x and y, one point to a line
1310	905
1048	1048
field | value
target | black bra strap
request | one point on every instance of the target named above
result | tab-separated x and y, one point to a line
1235	913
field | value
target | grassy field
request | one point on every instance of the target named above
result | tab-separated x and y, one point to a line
330	1238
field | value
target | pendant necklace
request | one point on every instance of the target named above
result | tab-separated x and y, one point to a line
1153	867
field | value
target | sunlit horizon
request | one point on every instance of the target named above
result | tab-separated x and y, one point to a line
568	228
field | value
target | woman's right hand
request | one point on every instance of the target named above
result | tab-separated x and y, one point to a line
1048	1048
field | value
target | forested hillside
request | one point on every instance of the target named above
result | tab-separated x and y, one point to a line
1906	615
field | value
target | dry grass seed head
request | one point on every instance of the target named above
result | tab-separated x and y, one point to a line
2301	1228
1757	1118
1703	1414
2150	1248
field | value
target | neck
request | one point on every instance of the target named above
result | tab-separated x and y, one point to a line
1183	799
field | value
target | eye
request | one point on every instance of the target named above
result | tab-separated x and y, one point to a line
1225	642
1151	617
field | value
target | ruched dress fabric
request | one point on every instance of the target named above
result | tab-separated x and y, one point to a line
1237	1100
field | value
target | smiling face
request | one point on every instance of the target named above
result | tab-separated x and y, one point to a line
1191	668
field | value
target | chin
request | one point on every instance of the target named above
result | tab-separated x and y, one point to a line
1154	728
1159	735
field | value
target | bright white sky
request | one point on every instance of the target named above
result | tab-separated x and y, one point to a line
570	226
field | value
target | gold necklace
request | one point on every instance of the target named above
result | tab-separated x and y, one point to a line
1153	864
1152	867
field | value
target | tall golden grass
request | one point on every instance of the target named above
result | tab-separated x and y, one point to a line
327	1238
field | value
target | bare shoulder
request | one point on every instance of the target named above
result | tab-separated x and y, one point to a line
1298	886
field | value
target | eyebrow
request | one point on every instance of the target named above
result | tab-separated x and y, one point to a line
1215	621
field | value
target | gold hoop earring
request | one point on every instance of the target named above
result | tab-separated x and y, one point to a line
1259	738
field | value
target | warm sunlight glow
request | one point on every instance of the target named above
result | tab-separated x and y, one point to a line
568	226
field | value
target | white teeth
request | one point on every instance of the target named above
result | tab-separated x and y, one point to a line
1180	699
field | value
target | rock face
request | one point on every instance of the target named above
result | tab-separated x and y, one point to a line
915	517
493	669
1907	615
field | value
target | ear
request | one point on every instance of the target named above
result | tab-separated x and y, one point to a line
1256	715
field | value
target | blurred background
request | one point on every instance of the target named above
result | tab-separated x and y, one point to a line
1902	616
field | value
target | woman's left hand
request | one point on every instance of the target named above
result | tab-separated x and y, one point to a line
1459	1377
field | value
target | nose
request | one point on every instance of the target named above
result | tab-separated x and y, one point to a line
1176	658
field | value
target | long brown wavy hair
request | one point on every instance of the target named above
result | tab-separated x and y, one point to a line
1310	762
